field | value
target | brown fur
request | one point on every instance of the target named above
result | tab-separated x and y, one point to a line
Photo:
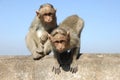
44	23
67	37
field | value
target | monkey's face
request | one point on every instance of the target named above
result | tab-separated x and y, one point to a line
48	17
59	42
47	14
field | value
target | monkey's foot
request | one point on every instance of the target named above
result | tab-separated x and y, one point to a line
56	70
39	50
37	56
73	68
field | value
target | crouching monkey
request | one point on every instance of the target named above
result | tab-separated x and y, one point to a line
66	37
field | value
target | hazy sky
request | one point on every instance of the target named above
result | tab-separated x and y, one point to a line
101	33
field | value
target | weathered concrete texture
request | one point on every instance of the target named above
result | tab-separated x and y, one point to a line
91	67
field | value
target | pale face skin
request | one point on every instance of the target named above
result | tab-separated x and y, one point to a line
59	42
47	14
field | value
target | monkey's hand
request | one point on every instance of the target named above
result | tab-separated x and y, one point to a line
74	68
43	37
56	69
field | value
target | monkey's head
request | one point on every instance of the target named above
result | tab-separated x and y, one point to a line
59	40
46	13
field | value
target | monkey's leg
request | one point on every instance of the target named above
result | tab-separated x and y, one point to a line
32	46
47	47
74	65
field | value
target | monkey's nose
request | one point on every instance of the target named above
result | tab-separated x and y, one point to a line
60	50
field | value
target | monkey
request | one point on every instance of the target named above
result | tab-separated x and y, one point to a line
44	22
67	37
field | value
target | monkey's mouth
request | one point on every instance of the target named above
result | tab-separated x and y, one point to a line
48	21
60	51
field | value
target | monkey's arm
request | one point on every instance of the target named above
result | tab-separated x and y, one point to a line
74	54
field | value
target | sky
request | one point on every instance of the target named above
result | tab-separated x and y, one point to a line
101	33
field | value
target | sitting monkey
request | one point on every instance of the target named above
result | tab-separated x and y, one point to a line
44	23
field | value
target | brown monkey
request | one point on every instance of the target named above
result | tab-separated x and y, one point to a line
44	23
67	37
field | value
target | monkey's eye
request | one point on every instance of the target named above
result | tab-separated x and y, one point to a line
56	42
48	14
62	41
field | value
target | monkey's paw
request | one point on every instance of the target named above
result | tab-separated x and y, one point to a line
73	68
56	70
39	50
37	56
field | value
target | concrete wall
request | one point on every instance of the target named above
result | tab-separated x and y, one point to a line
91	67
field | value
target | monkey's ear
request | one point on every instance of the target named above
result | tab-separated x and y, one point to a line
37	12
55	10
57	31
68	35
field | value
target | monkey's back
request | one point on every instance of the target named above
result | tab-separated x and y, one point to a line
73	23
